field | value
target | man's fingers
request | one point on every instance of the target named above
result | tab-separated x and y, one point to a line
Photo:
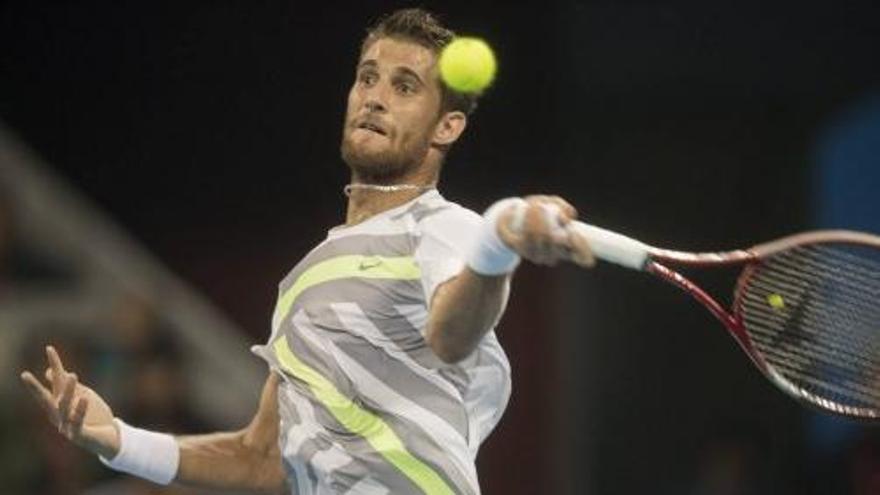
41	393
563	242
56	383
533	233
580	251
531	230
506	222
77	416
550	235
67	396
541	233
57	375
54	359
566	210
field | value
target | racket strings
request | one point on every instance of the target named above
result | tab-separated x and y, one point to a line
814	315
812	322
863	395
802	363
851	294
812	312
843	298
832	350
857	276
834	378
869	263
823	380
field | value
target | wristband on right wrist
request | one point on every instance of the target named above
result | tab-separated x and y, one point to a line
489	254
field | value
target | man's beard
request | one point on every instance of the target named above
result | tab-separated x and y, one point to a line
383	167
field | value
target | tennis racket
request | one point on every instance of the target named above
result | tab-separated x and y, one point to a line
806	309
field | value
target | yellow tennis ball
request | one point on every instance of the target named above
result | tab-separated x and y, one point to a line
467	65
776	301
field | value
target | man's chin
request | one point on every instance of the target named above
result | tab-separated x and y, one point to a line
372	166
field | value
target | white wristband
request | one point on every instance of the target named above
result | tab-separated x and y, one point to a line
489	255
147	454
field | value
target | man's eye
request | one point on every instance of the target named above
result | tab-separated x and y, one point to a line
367	78
406	88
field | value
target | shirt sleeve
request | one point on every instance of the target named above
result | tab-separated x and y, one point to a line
446	238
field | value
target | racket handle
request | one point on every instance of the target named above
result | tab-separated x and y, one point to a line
613	247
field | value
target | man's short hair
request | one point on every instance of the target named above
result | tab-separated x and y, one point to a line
421	27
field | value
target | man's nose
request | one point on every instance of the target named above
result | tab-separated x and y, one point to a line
375	99
374	105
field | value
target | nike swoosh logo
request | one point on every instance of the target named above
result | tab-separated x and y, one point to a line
368	263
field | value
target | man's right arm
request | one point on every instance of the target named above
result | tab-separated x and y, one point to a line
245	459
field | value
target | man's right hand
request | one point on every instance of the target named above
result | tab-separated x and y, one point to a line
544	239
76	410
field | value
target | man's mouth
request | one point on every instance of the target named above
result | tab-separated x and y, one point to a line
369	126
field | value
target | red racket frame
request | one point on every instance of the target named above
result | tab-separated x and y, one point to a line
733	319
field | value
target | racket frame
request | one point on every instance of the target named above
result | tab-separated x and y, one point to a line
750	259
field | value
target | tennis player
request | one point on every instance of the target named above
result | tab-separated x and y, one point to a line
384	371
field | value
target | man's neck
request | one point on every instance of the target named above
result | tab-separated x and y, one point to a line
364	203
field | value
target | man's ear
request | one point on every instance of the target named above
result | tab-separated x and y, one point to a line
449	128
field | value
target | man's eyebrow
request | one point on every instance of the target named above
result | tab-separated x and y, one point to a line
406	71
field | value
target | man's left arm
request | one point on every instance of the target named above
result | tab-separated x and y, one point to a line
468	305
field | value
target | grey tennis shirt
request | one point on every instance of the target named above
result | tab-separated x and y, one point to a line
366	407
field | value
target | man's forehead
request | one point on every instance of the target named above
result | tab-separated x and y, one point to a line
393	52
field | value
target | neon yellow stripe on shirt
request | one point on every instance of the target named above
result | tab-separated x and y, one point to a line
348	266
361	422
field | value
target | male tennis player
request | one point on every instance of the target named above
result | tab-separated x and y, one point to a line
385	375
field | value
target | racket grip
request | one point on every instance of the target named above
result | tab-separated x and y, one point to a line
613	247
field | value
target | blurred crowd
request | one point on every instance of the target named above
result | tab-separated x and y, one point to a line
125	350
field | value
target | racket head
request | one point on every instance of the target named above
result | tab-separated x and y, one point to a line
807	308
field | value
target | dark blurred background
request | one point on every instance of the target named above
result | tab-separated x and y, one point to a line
209	131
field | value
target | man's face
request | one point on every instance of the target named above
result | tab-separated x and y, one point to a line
393	108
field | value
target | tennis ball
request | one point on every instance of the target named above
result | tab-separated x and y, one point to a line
467	65
776	301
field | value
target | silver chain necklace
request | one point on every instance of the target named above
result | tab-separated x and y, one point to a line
392	188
